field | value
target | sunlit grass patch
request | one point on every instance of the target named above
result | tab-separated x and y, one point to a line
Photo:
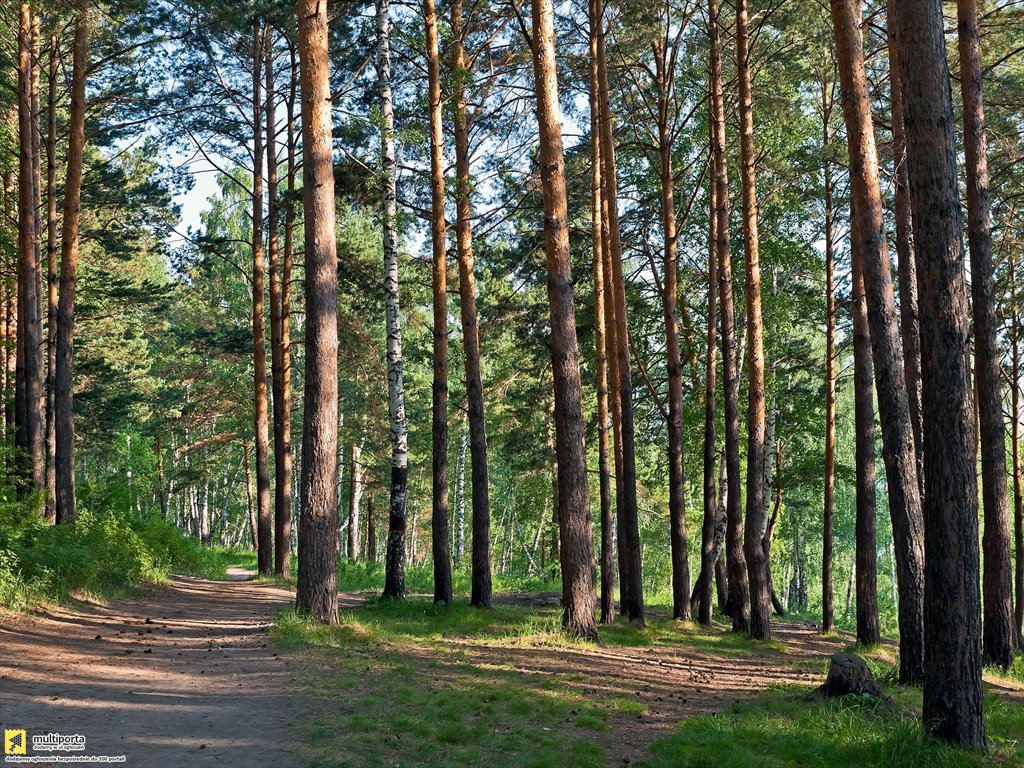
396	694
796	727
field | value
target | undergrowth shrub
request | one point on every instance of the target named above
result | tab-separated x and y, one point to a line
103	554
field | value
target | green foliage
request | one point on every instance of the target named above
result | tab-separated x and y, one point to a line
103	554
796	727
364	576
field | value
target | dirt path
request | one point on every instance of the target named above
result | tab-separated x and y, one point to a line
185	678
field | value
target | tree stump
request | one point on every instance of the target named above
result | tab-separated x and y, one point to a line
849	674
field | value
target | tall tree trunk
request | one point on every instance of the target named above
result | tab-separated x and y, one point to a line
707	540
1018	480
394	580
10	355
355	495
317	592
64	423
952	649
279	343
30	427
481	582
827	608
868	632
371	532
460	504
999	636
674	362
577	549
910	324
736	564
898	449
250	501
51	281
439	517
630	568
601	299
757	563
265	542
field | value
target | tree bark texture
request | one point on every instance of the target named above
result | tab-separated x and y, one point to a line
898	448
757	563
631	596
674	362
601	298
952	649
280	342
394	557
577	550
64	422
868	631
316	591
439	516
736	564
998	632
480	593
910	322
29	427
261	417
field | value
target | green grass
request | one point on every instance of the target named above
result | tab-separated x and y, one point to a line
363	576
796	727
413	684
398	684
222	558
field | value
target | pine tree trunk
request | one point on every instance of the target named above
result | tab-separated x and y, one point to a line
29	429
757	564
250	501
952	654
481	581
998	636
576	550
601	299
674	363
279	344
1018	481
439	517
736	564
910	324
827	607
707	540
265	540
630	567
898	449
370	547
317	592
51	282
868	632
64	423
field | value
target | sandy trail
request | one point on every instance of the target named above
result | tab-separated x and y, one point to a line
187	678
184	678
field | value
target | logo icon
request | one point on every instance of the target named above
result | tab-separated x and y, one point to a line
15	742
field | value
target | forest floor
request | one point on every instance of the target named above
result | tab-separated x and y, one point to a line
183	677
220	673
